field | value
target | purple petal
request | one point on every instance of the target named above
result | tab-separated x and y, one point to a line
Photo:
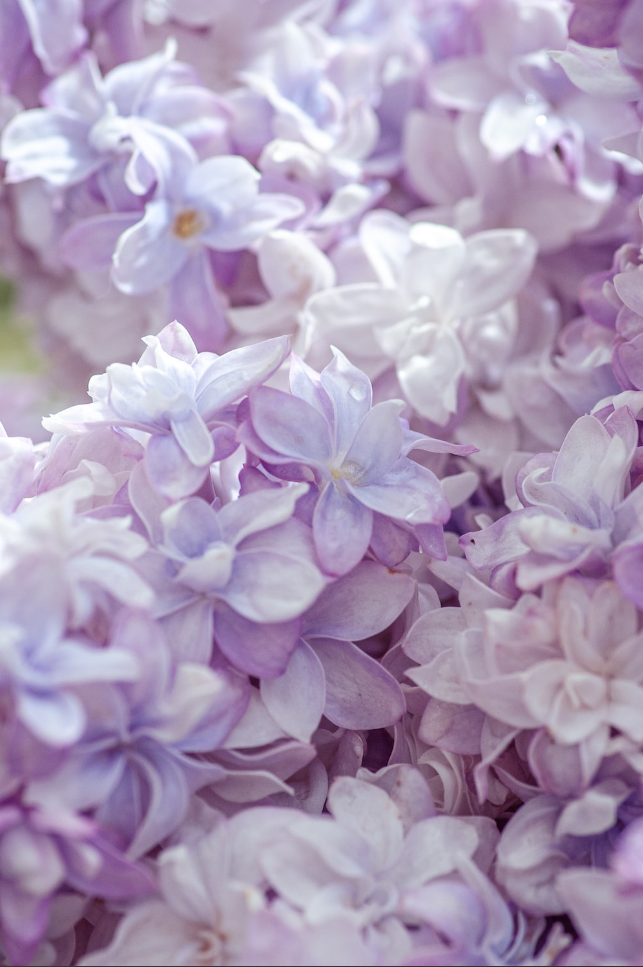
360	604
245	226
42	144
169	470
270	587
148	255
193	437
90	243
342	528
296	699
407	492
56	29
226	379
257	649
290	426
350	392
195	302
360	694
378	442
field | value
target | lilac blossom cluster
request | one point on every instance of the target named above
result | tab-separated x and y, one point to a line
321	623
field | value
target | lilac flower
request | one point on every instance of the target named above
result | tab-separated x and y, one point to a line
576	508
40	666
328	674
214	204
175	397
88	122
93	559
353	451
246	573
435	292
134	767
43	850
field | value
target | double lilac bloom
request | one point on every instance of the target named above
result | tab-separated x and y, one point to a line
178	402
327	431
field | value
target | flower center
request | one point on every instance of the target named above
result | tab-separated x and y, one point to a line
188	223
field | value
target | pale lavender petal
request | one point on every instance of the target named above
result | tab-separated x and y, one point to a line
193	437
270	587
290	426
360	694
351	395
407	492
90	243
194	301
342	528
56	29
226	379
297	698
597	72
42	144
360	604
262	650
243	227
169	470
377	443
148	255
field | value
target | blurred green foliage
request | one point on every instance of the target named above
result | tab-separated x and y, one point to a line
18	353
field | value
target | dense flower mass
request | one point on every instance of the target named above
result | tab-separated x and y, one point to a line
321	621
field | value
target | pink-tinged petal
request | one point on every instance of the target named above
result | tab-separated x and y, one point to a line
498	264
24	921
608	915
290	426
407	492
360	694
371	814
580	456
90	244
169	470
195	302
434	847
351	395
226	379
377	444
629	288
42	144
296	699
56	29
115	878
508	122
262	650
430	379
627	564
193	437
597	72
342	528
431	540
392	543
148	255
464	83
270	587
151	934
360	604
433	163
500	542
